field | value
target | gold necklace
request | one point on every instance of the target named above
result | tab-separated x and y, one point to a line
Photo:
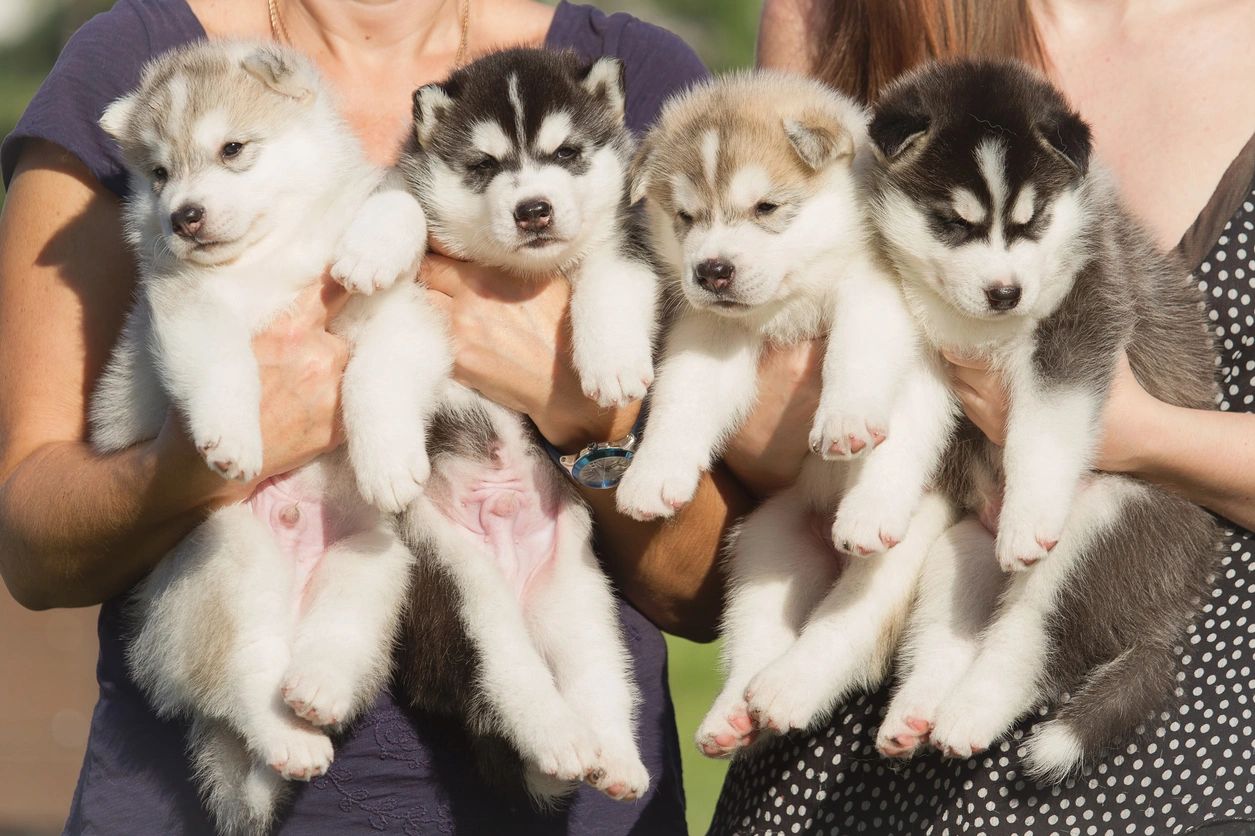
279	31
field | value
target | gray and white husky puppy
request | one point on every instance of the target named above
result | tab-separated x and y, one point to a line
272	623
520	160
1012	246
752	187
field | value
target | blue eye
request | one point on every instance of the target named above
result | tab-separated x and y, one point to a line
566	152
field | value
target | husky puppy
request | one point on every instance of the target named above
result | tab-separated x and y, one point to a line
520	161
752	192
1013	247
272	623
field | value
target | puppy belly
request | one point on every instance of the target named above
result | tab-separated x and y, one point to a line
502	508
302	522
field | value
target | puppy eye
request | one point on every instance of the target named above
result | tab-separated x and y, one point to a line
765	208
232	150
683	217
566	152
160	174
484	163
957	224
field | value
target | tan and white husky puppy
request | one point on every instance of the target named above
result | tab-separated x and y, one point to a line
272	623
752	189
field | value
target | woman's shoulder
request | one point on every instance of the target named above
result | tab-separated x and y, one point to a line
101	62
657	63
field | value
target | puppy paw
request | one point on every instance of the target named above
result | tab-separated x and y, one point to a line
868	523
1023	539
963	728
783	698
318	693
616	383
903	732
567	752
726	730
619	772
232	454
840	434
648	493
383	244
298	752
391	483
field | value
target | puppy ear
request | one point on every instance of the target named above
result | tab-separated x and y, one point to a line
898	124
819	141
641	170
604	79
281	71
1068	134
430	101
118	115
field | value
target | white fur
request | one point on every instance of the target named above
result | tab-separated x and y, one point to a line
223	635
1003	682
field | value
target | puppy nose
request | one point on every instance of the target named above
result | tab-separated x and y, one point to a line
714	274
533	215
187	220
1003	297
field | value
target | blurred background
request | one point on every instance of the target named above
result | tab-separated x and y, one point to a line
47	659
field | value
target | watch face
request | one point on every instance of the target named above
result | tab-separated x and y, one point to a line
602	468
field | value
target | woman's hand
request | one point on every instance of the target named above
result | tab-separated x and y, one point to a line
301	364
770	448
512	344
984	398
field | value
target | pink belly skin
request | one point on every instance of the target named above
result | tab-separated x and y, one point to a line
502	508
302	526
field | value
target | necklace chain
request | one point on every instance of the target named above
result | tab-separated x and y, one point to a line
279	30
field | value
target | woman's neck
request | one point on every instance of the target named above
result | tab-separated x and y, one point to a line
350	31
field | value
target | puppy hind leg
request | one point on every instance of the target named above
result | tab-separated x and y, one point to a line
958	589
574	619
341	655
848	640
778	568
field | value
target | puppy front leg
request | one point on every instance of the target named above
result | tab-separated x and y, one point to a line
614	302
1049	447
887	484
872	341
399	358
208	369
385	240
704	391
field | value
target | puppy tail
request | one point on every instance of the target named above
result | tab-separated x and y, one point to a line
1113	699
241	793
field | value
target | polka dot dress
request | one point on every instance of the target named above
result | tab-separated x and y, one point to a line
1193	764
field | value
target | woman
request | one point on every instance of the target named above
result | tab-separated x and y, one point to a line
77	529
1166	89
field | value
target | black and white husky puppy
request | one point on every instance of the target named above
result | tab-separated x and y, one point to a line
520	160
1013	247
752	189
272	623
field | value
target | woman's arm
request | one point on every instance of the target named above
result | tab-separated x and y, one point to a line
1208	457
77	528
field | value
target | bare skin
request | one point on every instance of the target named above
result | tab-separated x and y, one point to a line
77	528
1164	86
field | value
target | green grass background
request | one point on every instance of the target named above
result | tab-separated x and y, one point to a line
723	34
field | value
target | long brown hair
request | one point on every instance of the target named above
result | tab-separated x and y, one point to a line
860	45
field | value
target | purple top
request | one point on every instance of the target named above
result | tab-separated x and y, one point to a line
393	772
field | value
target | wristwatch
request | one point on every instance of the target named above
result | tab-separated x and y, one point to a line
601	464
